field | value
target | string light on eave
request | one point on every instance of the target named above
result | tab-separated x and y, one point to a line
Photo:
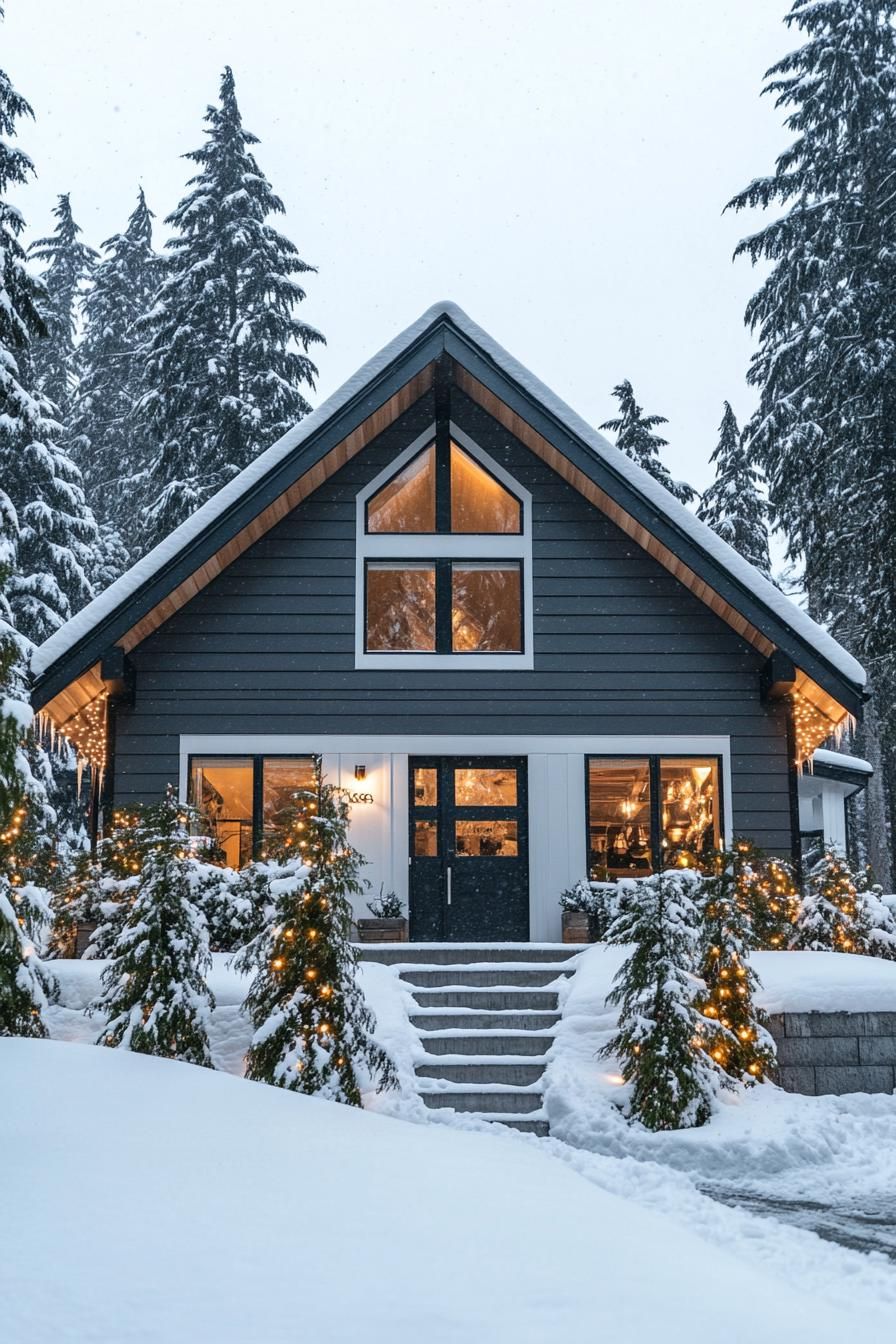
811	727
86	732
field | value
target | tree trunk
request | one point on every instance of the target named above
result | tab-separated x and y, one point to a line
878	839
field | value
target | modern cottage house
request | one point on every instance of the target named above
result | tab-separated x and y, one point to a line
524	659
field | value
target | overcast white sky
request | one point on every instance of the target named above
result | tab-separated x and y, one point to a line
559	169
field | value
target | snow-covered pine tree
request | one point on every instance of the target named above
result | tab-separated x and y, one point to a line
108	444
23	983
313	1029
878	916
155	996
733	505
659	1042
232	904
102	890
43	573
832	916
825	365
56	529
69	263
741	1043
636	438
227	356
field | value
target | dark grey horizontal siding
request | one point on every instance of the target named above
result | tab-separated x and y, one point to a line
620	647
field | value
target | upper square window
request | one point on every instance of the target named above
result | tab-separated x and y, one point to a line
461	496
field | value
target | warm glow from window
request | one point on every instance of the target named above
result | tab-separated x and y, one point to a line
401	608
636	803
407	503
486	608
619	818
689	821
478	502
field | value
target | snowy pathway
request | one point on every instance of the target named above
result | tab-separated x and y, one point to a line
869	1226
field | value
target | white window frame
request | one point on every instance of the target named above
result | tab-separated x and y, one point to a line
439	546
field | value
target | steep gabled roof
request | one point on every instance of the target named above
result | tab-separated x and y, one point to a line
375	396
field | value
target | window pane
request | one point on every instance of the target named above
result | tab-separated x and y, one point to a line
485	788
478	502
407	503
282	779
426	787
486	615
486	839
221	787
618	818
689	818
401	608
426	840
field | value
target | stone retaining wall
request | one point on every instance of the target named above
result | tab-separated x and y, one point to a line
832	1053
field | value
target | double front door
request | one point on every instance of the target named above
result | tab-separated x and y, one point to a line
469	849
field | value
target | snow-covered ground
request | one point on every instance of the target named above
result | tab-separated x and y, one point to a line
827	1163
823	1163
157	1202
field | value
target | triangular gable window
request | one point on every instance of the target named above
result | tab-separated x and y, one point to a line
459	495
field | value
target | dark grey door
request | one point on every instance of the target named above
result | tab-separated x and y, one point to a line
469	849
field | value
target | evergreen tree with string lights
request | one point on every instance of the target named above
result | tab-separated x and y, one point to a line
69	263
226	354
24	985
767	892
662	1032
636	437
739	1040
832	915
155	997
734	506
313	1029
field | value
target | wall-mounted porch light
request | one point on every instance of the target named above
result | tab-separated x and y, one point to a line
360	772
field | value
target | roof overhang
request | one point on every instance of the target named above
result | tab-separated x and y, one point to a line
68	666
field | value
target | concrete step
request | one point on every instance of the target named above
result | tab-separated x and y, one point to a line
537	1127
512	1073
470	1020
487	1044
521	1000
470	975
449	954
482	1102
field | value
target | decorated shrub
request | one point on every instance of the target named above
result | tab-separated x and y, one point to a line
662	1034
154	992
313	1029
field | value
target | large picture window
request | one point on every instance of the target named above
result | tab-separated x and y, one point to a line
444	560
245	800
650	812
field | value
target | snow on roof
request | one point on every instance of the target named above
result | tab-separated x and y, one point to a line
700	533
842	761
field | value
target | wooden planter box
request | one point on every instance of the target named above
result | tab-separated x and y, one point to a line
576	926
383	930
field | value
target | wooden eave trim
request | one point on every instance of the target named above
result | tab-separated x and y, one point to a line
67	704
538	444
310	480
498	405
109	631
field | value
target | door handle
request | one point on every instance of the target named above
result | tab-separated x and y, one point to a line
448	883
